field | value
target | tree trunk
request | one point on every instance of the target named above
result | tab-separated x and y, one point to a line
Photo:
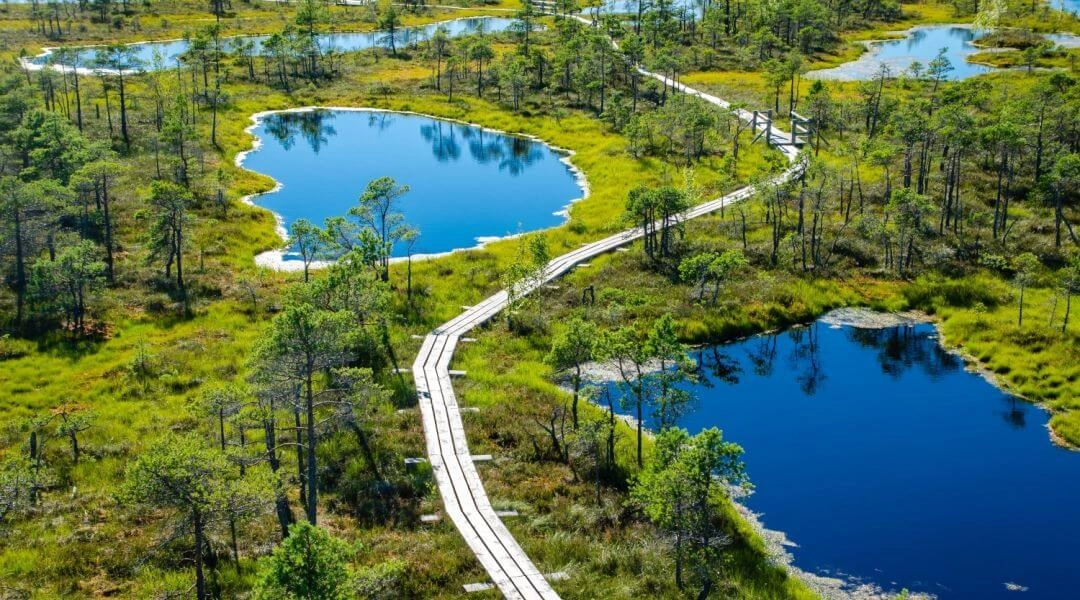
78	99
20	269
281	503
365	449
109	269
200	579
123	113
312	472
75	439
640	463
577	389
1020	317
1068	305
300	469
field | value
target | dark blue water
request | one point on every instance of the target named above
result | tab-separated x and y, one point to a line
466	183
885	461
170	51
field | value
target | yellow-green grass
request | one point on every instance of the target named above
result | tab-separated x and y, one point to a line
1037	361
212	346
506	373
1014	59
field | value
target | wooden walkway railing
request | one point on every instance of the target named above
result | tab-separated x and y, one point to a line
464	498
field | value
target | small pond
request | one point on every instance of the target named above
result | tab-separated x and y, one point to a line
345	42
887	463
468	184
922	44
630	7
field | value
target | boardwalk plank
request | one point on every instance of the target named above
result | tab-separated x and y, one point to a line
465	501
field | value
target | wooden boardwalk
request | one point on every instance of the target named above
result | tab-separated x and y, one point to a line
464	498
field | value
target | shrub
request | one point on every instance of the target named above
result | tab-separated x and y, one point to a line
933	292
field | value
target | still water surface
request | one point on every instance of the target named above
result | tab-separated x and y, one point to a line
886	462
922	45
170	51
467	183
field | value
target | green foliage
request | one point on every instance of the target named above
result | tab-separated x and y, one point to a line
683	490
54	149
384	581
69	286
932	293
310	564
144	371
311	242
710	267
170	206
571	348
377	212
657	212
198	486
16	480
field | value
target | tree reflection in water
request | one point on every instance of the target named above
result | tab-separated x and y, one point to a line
713	363
901	348
805	358
441	136
762	354
380	120
512	153
523	153
897	415
313	126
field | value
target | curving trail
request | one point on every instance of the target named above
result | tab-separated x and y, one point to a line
464	498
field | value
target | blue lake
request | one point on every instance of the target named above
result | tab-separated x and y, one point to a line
467	183
631	6
886	462
169	51
922	44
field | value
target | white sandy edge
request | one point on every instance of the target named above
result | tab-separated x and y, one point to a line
276	259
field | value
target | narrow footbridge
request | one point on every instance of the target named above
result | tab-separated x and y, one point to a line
464	499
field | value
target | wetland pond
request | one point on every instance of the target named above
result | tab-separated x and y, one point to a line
170	50
887	464
1071	6
922	44
468	184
